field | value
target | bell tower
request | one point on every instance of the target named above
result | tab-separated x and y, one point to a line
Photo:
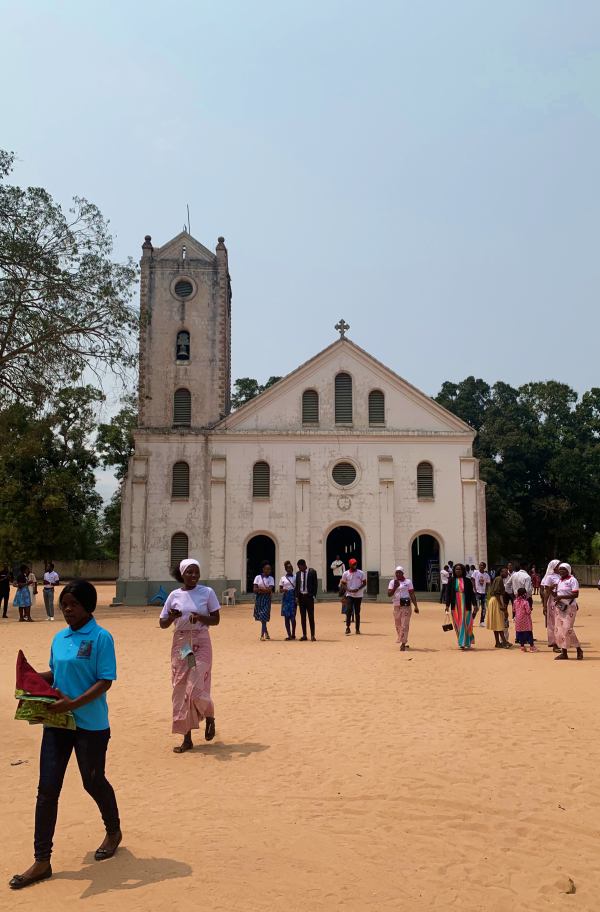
185	334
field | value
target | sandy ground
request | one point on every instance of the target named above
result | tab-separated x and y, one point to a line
345	774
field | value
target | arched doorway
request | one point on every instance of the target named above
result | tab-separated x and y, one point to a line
426	563
260	548
345	542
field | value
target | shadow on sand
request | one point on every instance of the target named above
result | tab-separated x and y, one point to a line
221	751
124	872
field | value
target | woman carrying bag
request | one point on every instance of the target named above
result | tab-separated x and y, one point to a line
461	603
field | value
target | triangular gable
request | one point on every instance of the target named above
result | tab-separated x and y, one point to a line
194	250
283	396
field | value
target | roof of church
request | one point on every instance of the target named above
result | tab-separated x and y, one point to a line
230	421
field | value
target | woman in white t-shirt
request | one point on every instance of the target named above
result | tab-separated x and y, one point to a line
402	591
193	609
565	601
287	587
264	586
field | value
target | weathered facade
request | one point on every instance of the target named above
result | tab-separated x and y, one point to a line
340	456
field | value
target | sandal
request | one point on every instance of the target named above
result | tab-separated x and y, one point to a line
561	658
182	748
19	881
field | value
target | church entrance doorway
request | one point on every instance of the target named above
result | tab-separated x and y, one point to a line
259	549
345	542
426	563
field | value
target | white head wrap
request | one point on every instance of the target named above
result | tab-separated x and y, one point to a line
401	569
566	566
552	567
188	563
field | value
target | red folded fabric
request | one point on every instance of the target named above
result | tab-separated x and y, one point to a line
29	680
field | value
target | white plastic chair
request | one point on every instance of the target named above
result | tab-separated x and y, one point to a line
228	596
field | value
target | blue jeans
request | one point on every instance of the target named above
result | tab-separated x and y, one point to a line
481	601
90	751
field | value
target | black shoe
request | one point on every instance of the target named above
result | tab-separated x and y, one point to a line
19	882
303	638
348	631
314	639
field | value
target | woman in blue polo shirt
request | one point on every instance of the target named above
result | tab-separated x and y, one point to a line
82	668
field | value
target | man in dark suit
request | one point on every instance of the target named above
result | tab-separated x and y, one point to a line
306	589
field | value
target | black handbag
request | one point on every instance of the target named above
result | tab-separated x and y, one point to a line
448	625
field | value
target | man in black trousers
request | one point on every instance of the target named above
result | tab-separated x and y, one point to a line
306	589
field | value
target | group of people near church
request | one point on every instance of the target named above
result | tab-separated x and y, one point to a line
26	589
193	608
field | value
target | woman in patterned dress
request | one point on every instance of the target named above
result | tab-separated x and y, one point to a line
287	586
264	586
565	596
460	601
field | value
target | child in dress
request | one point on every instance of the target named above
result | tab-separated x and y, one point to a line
522	618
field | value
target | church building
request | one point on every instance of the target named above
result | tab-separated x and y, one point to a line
340	457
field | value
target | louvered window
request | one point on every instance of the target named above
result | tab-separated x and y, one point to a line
184	288
310	407
261	480
344	473
180	486
343	399
182	408
424	479
179	548
376	407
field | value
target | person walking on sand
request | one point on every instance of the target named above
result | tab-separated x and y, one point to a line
402	591
51	581
287	586
565	598
22	599
264	587
5	581
522	618
481	580
496	611
549	581
460	601
193	608
82	668
306	590
353	583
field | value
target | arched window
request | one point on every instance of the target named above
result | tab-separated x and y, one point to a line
180	484
179	548
424	479
310	407
343	399
182	408
376	407
261	480
182	347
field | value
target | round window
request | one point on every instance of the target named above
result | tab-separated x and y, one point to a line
184	288
344	473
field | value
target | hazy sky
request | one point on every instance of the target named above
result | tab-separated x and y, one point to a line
429	171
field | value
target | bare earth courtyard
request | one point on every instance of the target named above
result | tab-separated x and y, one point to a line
344	774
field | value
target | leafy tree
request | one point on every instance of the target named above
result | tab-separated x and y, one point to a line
64	304
48	500
247	388
114	441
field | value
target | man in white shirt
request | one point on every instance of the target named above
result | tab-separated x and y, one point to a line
481	580
51	579
521	579
338	569
353	583
444	577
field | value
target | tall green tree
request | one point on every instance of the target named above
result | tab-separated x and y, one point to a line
64	304
114	444
247	388
48	500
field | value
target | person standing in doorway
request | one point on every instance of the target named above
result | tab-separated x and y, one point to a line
481	580
287	587
5	580
306	590
353	582
444	577
337	568
51	580
264	586
402	591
